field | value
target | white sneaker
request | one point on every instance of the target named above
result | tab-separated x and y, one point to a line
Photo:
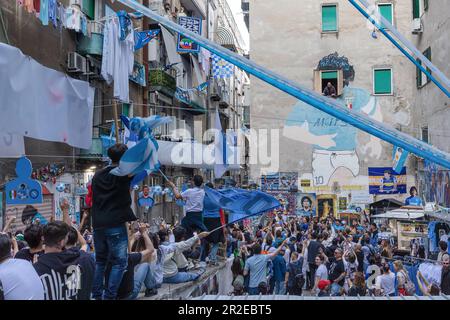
202	264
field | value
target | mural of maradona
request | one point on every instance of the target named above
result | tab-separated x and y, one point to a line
334	142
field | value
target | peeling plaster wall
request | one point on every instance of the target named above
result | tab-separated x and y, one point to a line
286	37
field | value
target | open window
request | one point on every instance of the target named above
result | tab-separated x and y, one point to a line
335	77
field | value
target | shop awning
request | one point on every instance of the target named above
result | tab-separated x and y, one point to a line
169	42
192	155
402	214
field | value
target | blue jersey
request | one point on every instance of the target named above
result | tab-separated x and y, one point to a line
413	201
388	184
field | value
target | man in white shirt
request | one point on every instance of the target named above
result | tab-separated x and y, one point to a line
193	221
193	199
18	278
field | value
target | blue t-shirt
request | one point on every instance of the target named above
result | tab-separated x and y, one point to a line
210	210
303	212
413	201
279	268
257	267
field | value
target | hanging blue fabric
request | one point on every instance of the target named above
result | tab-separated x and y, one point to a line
124	23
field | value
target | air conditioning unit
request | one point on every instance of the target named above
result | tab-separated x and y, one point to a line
76	62
93	70
417	26
153	98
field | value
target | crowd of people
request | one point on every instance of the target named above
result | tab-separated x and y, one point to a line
302	255
111	255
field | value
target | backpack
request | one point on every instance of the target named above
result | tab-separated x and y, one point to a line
410	288
296	271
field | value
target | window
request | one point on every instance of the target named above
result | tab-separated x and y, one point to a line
335	77
382	81
419	8
386	11
329	18
421	78
425	134
88	7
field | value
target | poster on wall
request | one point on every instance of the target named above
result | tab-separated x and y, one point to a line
306	204
383	180
327	206
23	190
342	203
186	45
287	200
284	181
434	185
31	213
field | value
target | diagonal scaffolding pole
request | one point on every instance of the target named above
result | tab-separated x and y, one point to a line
387	25
327	105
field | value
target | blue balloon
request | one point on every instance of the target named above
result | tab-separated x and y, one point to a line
157	190
60	187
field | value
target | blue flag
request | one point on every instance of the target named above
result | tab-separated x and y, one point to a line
399	157
242	203
141	38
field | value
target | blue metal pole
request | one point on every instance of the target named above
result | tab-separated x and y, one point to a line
395	43
327	105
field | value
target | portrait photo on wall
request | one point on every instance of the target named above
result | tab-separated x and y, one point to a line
384	180
306	204
327	206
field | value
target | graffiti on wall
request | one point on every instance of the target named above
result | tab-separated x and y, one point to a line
334	142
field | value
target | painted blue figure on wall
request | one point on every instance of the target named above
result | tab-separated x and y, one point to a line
23	190
334	142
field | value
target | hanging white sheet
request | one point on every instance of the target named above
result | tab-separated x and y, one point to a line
42	103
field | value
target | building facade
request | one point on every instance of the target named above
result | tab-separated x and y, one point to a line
431	109
165	86
319	42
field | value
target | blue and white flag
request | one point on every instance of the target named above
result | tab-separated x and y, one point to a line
129	138
220	150
399	158
144	155
183	95
141	38
243	203
221	68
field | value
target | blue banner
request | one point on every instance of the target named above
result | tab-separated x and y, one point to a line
399	157
141	38
186	44
384	180
242	203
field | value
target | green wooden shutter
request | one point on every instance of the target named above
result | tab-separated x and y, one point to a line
329	75
382	80
88	7
427	54
126	109
329	18
418	74
386	12
416	9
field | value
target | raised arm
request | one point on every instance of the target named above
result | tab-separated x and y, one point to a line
8	223
176	193
149	249
275	253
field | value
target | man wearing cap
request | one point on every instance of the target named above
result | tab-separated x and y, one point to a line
324	287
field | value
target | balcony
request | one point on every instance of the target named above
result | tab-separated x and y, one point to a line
159	80
90	45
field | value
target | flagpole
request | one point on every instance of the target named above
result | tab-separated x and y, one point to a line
116	120
167	179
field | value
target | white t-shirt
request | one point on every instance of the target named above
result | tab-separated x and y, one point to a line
20	281
322	272
386	283
194	199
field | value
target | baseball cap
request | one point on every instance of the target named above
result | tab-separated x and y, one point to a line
323	284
